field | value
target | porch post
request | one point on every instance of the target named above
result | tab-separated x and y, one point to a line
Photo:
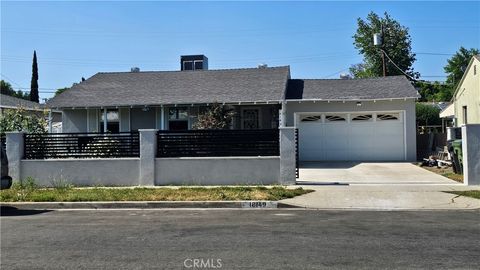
50	128
162	118
105	120
283	115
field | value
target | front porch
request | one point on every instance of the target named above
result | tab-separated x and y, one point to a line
171	117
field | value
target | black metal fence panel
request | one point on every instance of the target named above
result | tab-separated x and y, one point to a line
82	145
218	143
297	159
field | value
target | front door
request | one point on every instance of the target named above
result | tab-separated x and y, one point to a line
250	118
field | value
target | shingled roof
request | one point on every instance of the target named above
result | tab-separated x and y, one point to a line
7	101
391	87
177	87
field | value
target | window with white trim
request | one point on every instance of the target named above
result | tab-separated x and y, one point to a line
311	118
388	116
362	117
335	118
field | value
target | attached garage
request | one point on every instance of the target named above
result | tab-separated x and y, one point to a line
356	136
353	119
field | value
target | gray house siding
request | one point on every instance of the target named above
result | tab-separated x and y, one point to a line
74	121
140	119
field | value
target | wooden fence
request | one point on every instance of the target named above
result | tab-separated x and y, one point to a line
218	143
428	143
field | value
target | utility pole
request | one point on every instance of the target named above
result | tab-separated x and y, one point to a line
384	66
378	42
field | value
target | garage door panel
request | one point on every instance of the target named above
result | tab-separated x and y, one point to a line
364	140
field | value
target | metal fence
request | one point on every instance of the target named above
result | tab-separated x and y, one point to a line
297	158
218	143
81	145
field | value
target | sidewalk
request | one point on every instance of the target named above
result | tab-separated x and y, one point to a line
385	197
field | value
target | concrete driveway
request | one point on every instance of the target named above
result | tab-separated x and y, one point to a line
398	173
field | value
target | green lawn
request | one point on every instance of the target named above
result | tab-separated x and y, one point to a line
469	193
69	194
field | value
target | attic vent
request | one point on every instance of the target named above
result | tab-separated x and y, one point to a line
135	69
263	65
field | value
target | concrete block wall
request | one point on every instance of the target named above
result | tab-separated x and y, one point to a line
471	154
147	170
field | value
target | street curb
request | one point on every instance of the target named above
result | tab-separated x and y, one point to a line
148	205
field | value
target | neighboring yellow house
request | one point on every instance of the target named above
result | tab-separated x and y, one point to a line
466	99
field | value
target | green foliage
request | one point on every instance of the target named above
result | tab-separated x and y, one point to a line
434	91
427	114
27	193
34	84
21	120
61	90
7	89
362	70
216	117
396	43
457	65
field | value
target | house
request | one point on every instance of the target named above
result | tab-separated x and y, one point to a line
8	103
340	119
466	99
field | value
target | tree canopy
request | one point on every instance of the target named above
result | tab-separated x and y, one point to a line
434	91
7	89
396	44
21	120
457	65
61	90
427	114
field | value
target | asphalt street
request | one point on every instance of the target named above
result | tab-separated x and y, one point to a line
239	239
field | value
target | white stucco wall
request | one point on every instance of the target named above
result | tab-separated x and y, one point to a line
408	106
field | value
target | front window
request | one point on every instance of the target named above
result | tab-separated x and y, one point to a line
465	118
178	118
113	121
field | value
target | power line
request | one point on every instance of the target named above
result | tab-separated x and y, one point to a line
395	65
10	80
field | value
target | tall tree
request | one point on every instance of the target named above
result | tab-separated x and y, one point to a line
457	65
34	84
396	44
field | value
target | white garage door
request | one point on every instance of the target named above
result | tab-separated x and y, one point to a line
355	136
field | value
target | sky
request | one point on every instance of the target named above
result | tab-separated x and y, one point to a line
78	39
